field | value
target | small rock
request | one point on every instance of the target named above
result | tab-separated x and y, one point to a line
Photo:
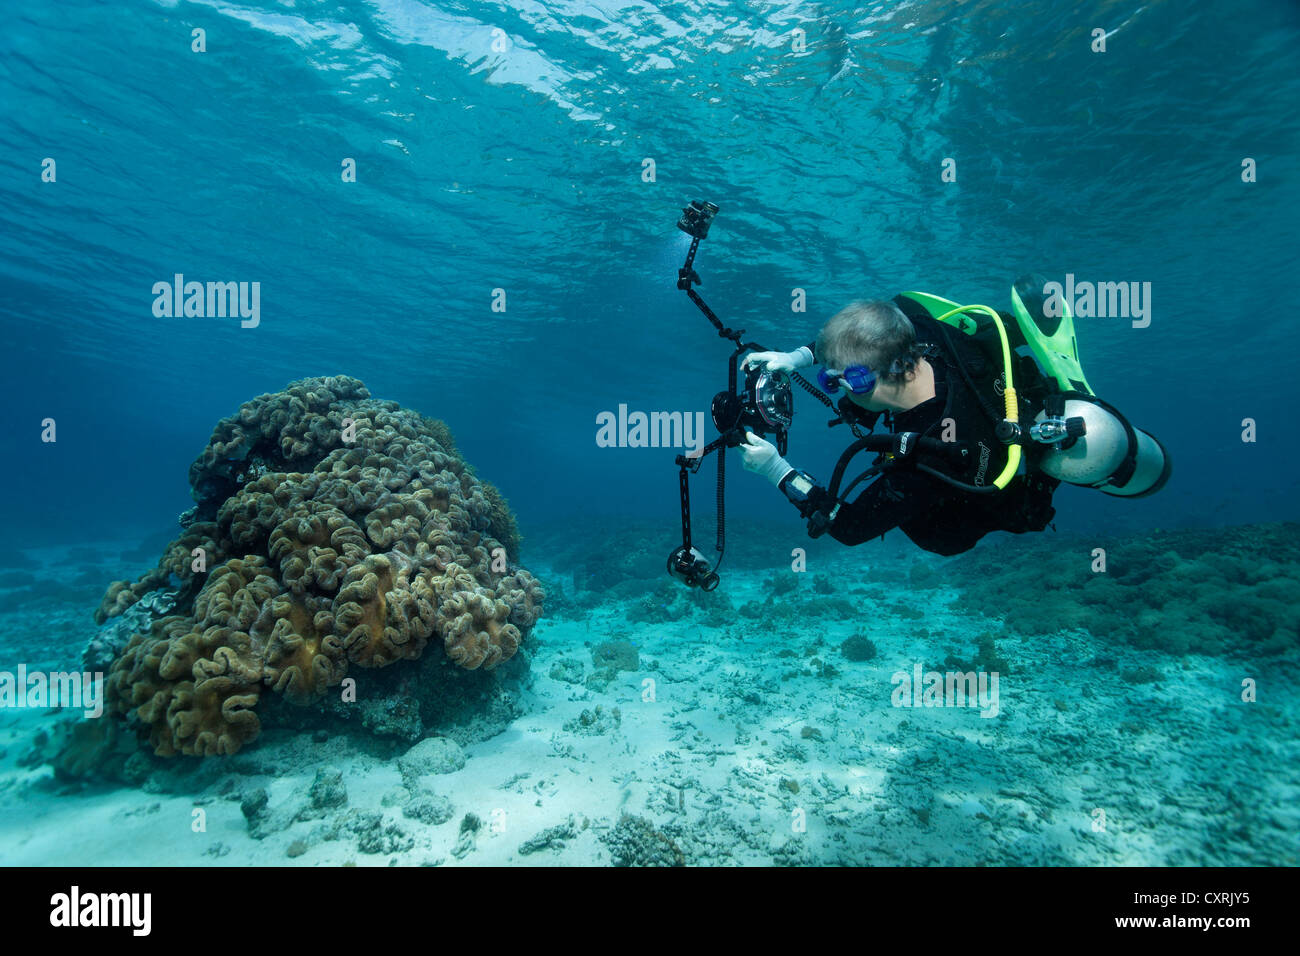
567	670
137	768
551	838
253	804
327	790
430	808
469	827
397	797
595	722
432	755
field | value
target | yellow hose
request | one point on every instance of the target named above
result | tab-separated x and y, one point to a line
1012	407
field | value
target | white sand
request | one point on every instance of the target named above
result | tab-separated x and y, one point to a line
1184	772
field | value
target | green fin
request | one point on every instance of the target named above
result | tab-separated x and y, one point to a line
1050	338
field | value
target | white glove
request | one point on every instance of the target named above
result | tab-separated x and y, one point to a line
760	456
786	362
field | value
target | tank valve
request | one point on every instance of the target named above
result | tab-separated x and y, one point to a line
1056	429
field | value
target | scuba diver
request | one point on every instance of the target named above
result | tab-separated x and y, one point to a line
986	412
902	360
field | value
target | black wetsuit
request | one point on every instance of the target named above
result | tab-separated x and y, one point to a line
934	514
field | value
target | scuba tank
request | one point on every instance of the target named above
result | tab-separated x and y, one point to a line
1106	453
1089	442
1075	436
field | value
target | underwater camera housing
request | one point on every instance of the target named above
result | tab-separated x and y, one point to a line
764	406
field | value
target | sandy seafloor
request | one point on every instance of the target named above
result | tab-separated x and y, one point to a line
740	742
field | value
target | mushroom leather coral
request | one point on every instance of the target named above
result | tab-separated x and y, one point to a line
324	553
176	562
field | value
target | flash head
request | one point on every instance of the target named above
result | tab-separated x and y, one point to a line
691	568
697	217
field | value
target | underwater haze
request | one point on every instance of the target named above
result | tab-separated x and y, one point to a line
468	210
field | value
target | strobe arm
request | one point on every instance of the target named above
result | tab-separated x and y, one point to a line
688	563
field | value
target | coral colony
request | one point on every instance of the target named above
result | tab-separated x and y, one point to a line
331	530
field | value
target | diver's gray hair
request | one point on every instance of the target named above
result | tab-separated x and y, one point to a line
875	334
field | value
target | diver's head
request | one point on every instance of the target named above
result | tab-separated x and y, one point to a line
878	338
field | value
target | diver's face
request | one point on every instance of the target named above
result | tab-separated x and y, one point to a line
885	397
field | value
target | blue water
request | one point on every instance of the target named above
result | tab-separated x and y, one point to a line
506	146
522	170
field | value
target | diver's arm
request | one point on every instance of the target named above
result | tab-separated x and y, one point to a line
888	502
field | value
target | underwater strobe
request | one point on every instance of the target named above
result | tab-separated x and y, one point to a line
692	568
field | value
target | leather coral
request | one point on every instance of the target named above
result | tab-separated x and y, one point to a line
340	531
